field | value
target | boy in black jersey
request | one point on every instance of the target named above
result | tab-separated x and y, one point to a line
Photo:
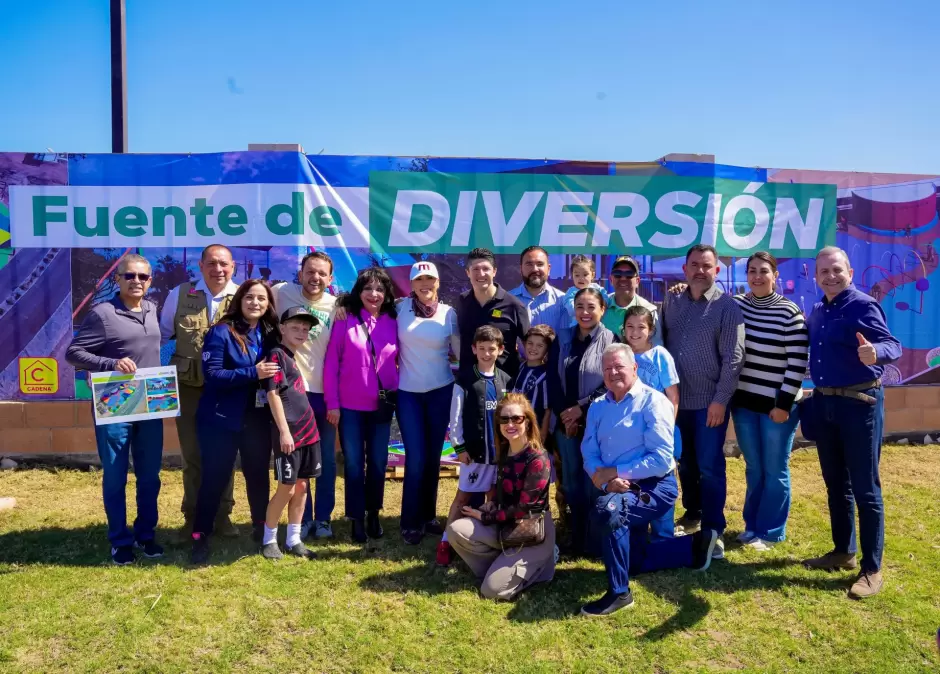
296	437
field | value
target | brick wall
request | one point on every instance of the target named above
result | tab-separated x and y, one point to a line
64	428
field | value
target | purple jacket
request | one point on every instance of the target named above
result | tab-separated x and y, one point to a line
348	374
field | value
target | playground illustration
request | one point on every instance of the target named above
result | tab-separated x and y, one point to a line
149	393
121	399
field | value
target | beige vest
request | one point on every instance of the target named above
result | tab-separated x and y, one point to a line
191	325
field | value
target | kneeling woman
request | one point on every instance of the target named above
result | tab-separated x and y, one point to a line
232	418
522	494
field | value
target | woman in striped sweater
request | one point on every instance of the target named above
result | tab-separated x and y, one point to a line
764	405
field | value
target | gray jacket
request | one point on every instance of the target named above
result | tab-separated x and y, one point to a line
591	372
111	331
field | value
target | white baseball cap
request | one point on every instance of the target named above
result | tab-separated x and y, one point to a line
423	268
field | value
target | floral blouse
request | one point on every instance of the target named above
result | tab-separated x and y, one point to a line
522	487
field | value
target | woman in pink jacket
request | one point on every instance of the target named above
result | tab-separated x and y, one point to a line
360	383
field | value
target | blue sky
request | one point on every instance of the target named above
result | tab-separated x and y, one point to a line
835	84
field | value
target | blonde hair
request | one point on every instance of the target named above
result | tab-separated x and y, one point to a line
533	436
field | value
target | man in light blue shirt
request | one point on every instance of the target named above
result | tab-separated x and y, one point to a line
543	301
628	454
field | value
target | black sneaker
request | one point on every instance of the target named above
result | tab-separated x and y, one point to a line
411	536
199	555
358	531
271	551
149	549
123	555
373	525
703	546
302	551
434	528
609	603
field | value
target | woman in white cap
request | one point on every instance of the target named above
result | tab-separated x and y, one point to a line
426	329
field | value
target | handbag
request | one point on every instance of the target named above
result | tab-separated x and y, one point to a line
525	532
388	399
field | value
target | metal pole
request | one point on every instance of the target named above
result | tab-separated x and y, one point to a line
118	78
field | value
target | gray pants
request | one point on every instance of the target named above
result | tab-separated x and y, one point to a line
504	574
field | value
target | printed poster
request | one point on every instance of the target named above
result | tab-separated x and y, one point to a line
149	393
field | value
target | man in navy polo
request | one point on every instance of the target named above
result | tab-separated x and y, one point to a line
849	346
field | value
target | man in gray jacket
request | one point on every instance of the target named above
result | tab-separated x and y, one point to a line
123	334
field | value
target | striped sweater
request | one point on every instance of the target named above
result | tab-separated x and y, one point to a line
775	353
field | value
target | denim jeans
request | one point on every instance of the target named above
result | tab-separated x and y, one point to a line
626	547
365	457
849	446
766	447
117	444
702	468
575	483
320	507
218	447
422	419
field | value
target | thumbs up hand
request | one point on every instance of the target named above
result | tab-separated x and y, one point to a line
866	350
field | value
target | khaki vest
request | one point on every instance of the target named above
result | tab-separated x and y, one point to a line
191	323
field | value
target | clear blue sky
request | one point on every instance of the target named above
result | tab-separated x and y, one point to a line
849	85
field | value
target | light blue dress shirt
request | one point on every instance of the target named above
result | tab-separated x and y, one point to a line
546	308
635	434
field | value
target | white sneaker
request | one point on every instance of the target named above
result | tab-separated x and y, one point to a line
760	545
719	551
746	537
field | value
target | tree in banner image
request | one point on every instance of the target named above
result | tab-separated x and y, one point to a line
168	272
92	278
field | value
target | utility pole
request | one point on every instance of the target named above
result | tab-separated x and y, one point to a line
118	77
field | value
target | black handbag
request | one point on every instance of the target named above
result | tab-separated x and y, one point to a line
388	398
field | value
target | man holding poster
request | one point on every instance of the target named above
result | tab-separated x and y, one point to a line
123	334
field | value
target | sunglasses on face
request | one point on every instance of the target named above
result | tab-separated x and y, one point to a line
622	273
515	419
131	276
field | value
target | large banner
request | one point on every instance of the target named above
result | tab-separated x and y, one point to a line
65	221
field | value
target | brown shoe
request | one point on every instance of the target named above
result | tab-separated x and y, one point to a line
833	561
223	527
869	583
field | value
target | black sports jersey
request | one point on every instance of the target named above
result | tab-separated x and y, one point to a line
289	385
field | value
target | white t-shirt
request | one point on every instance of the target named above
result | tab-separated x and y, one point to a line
309	357
423	345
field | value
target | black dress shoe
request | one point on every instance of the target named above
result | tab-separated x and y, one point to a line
257	532
359	531
434	528
200	552
611	602
412	536
373	525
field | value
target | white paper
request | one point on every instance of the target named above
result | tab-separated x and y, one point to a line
149	393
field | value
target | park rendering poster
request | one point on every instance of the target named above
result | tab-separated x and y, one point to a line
65	221
148	393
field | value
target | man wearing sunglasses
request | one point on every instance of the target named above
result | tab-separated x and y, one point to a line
123	334
189	311
625	279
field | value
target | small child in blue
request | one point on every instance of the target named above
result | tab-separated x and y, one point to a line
583	272
656	369
532	380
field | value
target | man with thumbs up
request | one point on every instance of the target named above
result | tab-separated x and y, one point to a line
849	345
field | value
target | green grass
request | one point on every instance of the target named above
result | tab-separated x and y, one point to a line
63	607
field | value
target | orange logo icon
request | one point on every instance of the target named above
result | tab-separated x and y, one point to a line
39	375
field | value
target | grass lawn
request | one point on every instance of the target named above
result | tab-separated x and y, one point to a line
64	607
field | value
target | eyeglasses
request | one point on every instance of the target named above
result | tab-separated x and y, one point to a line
642	495
515	419
131	276
623	273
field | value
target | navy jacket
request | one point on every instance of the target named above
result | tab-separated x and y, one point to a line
231	378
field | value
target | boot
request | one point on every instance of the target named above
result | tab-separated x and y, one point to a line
373	525
359	531
184	534
224	527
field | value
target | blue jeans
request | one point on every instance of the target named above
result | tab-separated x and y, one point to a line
575	483
702	468
320	508
624	520
422	419
766	447
117	443
849	446
365	457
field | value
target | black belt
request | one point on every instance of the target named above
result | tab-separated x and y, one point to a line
854	392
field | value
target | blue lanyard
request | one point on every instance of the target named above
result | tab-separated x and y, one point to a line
254	343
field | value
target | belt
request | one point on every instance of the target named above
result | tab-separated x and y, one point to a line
854	392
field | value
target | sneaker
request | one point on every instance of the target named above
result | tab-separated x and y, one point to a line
199	555
150	549
302	551
611	602
306	529
760	544
445	554
224	527
358	532
271	551
719	552
746	537
687	526
434	528
703	547
557	554
412	536
374	525
833	561
868	584
123	555
322	531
